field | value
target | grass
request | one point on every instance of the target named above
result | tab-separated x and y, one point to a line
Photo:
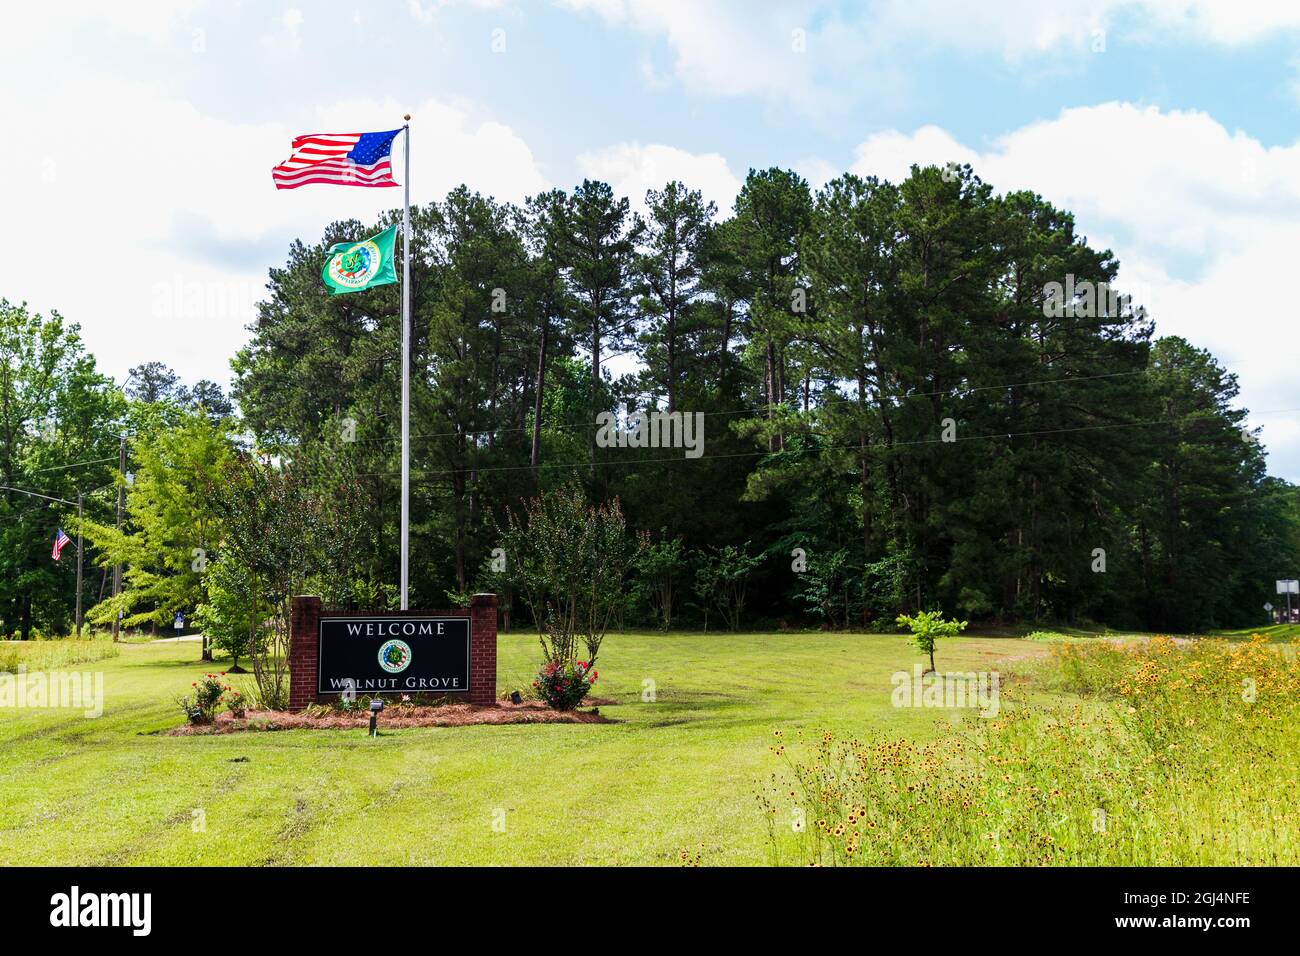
1170	754
1277	633
54	654
680	771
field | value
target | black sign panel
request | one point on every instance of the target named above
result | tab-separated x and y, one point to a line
393	655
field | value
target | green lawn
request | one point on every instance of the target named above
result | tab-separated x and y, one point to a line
675	773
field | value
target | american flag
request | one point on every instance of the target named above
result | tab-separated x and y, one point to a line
60	540
344	159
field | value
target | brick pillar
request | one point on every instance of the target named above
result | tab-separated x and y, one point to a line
482	649
303	648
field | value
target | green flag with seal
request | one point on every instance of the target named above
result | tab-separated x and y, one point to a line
353	266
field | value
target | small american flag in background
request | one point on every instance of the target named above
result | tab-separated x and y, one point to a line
60	540
343	159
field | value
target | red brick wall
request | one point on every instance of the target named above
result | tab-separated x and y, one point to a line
483	649
305	636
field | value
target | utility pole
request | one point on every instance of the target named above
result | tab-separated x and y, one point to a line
121	503
79	563
80	511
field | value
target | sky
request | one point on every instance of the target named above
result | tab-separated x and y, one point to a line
139	138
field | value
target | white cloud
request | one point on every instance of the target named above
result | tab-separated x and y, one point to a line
891	154
422	13
1011	28
449	146
1225	22
160	250
1178	182
1203	220
727	47
738	47
31	25
631	169
817	171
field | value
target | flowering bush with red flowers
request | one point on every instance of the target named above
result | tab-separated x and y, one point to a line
563	686
202	707
237	701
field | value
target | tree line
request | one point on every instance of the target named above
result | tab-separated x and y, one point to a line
916	395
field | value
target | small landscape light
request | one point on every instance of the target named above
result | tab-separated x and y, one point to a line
375	707
516	697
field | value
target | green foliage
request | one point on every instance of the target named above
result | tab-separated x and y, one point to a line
927	627
289	528
660	566
56	409
1047	637
172	529
564	685
228	616
829	336
567	560
238	701
722	582
202	706
832	588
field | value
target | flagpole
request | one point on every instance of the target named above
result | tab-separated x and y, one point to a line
406	367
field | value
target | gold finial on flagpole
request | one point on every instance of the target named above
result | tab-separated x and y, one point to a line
407	117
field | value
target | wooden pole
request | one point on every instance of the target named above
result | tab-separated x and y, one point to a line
79	563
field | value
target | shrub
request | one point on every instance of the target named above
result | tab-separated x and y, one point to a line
1047	637
567	560
563	686
660	565
237	701
209	692
926	626
227	616
832	588
274	696
193	712
291	528
722	580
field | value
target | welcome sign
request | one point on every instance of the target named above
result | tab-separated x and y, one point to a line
406	653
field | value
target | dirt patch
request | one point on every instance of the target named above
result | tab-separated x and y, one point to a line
443	715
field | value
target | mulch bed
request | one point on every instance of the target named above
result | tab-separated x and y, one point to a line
442	715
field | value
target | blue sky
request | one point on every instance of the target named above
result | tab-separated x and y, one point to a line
1167	126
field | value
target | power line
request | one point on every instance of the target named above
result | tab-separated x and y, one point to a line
852	447
856	446
824	403
76	464
760	409
55	498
